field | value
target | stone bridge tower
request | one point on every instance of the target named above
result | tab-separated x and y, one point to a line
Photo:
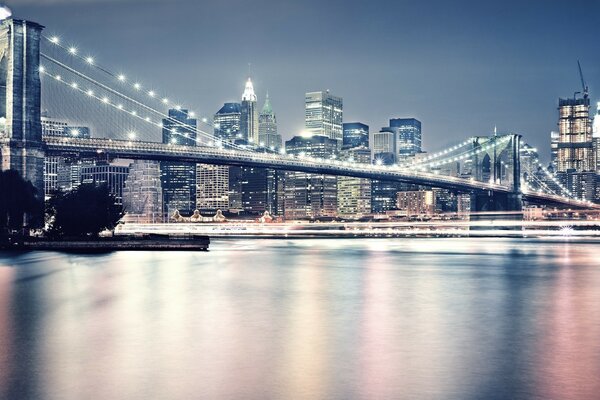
21	146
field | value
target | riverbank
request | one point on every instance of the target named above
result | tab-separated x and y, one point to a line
103	244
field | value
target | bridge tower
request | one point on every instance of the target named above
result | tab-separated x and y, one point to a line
503	167
21	146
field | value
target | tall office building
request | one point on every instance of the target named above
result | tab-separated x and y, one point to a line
267	127
554	139
227	122
323	115
354	194
249	114
575	135
356	134
113	176
596	141
309	196
212	187
142	193
384	142
576	167
408	141
178	179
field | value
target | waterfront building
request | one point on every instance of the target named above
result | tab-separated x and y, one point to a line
323	115
212	187
226	122
354	194
309	196
142	193
178	179
416	203
267	127
408	136
249	114
112	175
356	134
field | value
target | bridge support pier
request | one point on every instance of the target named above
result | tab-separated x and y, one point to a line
492	207
21	146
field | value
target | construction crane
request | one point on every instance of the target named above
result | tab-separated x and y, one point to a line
583	85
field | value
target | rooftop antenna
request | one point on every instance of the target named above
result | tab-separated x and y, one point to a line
249	65
583	84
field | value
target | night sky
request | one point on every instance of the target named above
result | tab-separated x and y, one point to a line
461	67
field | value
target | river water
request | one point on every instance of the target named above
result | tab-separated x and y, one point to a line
305	319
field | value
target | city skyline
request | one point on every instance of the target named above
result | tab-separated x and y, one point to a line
520	81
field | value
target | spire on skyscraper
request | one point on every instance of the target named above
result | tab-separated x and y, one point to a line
249	91
267	106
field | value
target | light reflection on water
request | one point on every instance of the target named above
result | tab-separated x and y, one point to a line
305	319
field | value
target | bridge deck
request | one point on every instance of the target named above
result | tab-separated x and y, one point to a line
211	155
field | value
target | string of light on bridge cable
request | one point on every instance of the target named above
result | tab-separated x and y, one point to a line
107	101
122	78
187	127
547	173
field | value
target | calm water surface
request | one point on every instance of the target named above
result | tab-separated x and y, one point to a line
305	319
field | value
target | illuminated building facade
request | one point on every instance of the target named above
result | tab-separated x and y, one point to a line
354	194
249	114
408	139
575	135
356	134
309	196
142	193
415	203
267	127
226	122
178	179
212	187
323	115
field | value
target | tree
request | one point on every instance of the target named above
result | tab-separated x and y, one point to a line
17	198
85	211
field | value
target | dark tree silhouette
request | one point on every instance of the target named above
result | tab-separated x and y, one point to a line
85	211
17	198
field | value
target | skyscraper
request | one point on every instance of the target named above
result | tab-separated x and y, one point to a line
112	175
212	187
323	115
356	134
267	127
408	139
249	114
384	142
554	139
178	179
575	135
227	122
308	195
596	141
354	194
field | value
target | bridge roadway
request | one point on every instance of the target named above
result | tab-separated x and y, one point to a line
113	148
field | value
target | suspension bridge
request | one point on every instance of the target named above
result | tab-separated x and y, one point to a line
31	62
